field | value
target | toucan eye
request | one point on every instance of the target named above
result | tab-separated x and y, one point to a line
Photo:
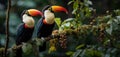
51	9
27	13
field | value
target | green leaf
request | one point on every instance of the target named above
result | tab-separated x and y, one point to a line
80	46
76	54
58	21
70	2
117	12
27	48
74	11
92	53
39	42
68	20
65	26
89	2
106	42
75	5
115	25
118	18
109	29
69	53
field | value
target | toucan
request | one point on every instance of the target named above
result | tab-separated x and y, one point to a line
25	29
46	24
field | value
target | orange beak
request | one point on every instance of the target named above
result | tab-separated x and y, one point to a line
59	9
34	12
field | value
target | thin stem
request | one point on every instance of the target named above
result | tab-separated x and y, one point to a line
7	27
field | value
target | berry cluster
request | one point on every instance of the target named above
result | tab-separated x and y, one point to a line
63	40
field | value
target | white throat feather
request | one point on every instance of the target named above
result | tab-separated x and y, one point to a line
49	17
28	20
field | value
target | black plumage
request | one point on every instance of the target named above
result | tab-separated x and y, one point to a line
24	34
44	30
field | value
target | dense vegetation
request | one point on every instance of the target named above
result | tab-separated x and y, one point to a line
84	33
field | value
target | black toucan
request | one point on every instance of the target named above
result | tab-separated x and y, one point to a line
46	24
25	29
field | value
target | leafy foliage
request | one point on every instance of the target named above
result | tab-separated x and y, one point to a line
88	34
95	36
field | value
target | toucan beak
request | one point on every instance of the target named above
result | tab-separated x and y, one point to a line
59	9
34	12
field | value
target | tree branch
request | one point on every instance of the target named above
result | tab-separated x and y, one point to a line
7	27
33	43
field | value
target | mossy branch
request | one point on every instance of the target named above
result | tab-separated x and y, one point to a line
32	42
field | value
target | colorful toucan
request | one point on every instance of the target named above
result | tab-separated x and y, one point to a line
46	24
25	29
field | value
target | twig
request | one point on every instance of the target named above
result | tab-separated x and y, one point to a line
7	27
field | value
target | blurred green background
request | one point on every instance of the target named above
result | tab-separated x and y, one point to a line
18	6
